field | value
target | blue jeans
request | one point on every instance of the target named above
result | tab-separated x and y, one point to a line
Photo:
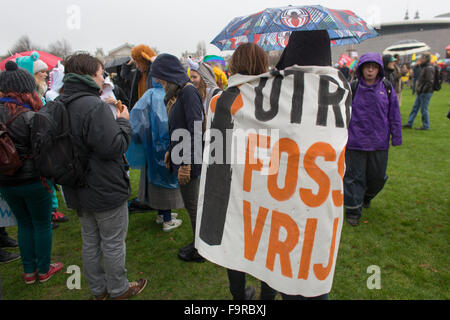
32	206
421	103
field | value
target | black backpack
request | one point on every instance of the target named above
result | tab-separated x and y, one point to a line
386	82
55	152
437	79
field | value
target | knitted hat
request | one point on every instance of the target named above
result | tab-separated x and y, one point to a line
142	54
15	79
27	62
39	66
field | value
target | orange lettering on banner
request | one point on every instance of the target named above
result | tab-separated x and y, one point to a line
319	149
237	104
320	271
338	196
308	244
213	103
252	163
282	248
252	238
290	181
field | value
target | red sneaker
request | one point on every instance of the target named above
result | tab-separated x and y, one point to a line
30	278
59	217
54	268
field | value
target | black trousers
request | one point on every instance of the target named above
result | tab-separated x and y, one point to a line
3	233
237	286
364	178
237	289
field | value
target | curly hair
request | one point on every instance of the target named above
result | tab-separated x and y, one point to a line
31	99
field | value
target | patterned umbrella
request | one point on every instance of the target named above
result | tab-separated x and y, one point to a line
272	27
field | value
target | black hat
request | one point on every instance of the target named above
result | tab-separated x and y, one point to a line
15	79
306	48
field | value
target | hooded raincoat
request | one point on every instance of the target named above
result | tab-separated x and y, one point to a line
375	116
149	124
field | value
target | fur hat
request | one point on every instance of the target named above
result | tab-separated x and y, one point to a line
15	79
142	54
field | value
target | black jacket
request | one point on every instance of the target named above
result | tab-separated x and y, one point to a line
187	110
105	140
133	76
19	130
426	79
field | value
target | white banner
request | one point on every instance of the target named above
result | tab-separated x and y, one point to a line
7	218
271	194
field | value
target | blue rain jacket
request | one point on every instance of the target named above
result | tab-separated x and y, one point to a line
150	138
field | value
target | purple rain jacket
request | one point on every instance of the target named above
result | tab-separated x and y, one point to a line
375	117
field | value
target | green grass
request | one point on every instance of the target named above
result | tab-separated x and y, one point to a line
406	233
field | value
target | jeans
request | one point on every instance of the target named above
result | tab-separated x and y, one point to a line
421	103
103	235
32	206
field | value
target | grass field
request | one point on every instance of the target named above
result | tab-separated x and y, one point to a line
406	233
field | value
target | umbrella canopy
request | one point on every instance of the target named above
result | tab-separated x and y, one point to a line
408	47
271	28
50	60
113	65
13	58
214	59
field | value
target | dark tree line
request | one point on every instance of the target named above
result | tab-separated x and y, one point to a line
60	48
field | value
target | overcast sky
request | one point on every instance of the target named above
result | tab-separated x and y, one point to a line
172	26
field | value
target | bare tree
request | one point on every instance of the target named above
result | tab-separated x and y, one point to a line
23	44
60	48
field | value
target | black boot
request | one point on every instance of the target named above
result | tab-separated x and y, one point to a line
352	216
5	241
6	256
190	254
250	293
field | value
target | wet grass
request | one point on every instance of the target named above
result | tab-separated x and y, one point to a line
405	233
